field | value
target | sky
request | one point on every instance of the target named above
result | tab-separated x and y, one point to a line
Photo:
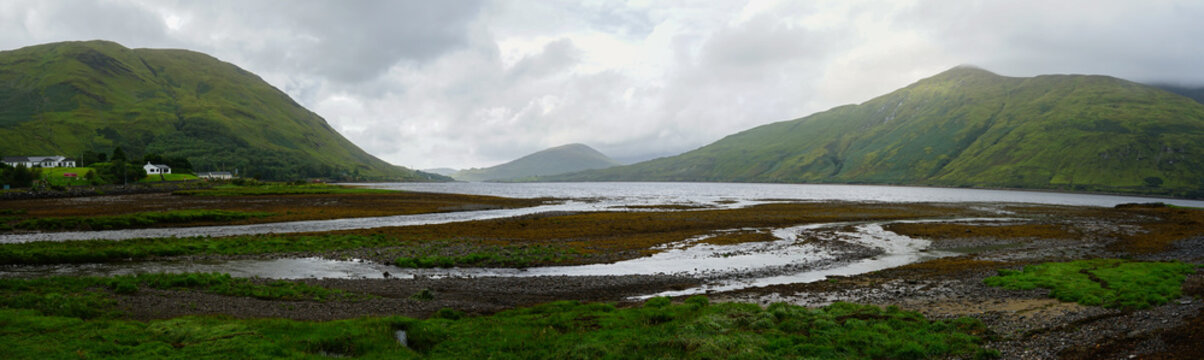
466	83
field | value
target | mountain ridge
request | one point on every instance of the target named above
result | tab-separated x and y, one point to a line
967	127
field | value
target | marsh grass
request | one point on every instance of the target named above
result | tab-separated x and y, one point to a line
91	297
263	189
961	231
134	220
1110	283
695	329
573	238
489	255
88	251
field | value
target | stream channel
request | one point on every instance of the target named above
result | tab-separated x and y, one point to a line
844	248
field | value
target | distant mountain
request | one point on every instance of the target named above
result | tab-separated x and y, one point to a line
1194	93
441	171
557	160
74	97
967	127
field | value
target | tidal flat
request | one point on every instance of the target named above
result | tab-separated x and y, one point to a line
501	275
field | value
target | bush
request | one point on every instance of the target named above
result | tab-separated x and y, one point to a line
657	302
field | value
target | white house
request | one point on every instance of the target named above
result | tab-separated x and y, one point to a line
215	175
155	169
40	161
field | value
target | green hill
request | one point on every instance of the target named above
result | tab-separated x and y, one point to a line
968	127
75	97
557	160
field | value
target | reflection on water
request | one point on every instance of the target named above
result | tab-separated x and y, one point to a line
744	193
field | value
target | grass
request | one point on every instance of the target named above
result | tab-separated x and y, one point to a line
55	177
1101	282
25	334
424	254
351	203
112	250
561	330
135	220
168	177
92	297
263	189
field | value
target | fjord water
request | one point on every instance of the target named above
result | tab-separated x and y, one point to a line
700	193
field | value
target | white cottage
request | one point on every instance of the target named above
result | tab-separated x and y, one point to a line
40	161
155	169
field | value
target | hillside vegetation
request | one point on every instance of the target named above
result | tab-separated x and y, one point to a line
968	127
75	97
557	160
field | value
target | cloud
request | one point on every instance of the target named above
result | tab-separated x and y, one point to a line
476	83
32	22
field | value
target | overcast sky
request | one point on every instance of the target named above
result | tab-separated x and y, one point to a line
461	84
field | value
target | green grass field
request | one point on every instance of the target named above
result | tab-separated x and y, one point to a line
55	318
54	176
1101	282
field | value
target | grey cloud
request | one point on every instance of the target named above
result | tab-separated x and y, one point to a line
1150	41
556	56
33	22
760	42
347	41
537	17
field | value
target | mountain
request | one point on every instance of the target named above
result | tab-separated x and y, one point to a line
441	171
557	160
967	127
72	98
1195	93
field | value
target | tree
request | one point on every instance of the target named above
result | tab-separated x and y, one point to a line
118	154
20	176
153	158
92	157
90	177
